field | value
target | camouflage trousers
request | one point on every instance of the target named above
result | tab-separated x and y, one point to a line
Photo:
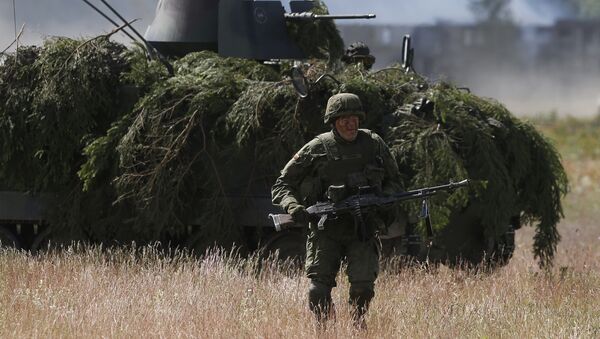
325	250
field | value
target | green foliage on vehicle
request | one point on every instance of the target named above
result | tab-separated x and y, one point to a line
135	154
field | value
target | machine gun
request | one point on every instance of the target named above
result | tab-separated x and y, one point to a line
357	203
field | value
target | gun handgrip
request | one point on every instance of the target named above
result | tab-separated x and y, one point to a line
322	220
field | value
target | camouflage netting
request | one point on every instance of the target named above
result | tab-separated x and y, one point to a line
134	154
54	99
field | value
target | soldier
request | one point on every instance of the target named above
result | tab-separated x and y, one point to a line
359	53
332	166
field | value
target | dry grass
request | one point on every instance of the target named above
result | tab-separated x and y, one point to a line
118	293
123	292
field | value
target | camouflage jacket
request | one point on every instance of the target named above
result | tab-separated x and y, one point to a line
330	160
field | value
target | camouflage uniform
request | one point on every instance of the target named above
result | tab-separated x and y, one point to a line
329	160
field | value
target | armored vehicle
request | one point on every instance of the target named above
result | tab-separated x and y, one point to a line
237	121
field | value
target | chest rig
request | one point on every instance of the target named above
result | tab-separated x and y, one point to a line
348	164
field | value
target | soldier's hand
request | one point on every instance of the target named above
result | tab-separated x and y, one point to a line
299	214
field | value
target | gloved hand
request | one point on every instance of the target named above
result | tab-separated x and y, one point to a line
299	214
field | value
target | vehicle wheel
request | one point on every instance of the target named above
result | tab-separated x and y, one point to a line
288	245
504	249
199	242
464	243
41	242
8	239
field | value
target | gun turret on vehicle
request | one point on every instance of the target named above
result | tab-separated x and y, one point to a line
313	16
233	28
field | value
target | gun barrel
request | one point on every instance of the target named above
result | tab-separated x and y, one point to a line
450	186
429	191
312	16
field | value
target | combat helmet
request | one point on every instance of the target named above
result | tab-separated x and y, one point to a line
343	104
359	52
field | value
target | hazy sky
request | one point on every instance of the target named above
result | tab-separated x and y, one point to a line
73	18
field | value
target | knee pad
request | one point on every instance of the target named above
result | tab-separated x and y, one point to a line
319	295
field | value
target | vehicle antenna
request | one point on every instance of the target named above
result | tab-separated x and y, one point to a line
109	19
151	50
15	23
126	23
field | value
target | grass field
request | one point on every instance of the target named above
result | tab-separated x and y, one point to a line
121	293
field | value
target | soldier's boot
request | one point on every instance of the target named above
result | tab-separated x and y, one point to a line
360	297
319	301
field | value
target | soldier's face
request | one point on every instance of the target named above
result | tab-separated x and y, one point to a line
347	127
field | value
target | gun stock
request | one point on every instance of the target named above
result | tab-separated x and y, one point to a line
282	221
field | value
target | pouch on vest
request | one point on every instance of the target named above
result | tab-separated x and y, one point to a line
375	176
337	193
356	180
310	189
